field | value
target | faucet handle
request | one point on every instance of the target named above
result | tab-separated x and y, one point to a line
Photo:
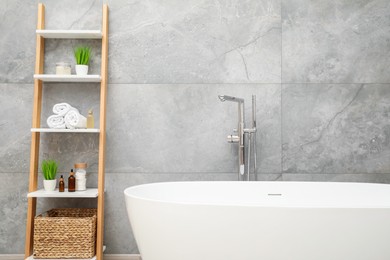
233	138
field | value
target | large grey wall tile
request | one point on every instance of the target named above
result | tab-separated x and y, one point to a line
268	177
183	128
336	41
336	128
13	211
69	14
195	41
17	41
339	177
15	124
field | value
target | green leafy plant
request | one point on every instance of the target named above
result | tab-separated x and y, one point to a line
49	169
82	55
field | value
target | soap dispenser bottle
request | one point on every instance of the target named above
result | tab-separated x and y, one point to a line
71	182
90	119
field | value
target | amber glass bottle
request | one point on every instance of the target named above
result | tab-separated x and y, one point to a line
71	182
90	119
61	185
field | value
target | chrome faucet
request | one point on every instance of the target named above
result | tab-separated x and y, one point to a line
240	138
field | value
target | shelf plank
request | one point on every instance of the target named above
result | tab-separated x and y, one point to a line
53	130
89	193
70	34
93	258
68	78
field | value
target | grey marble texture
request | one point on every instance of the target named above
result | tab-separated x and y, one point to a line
343	177
183	128
336	128
17	42
67	14
15	124
13	211
335	41
168	61
195	41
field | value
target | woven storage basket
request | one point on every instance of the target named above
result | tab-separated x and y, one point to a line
65	233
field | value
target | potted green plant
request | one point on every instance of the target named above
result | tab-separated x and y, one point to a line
49	172
82	55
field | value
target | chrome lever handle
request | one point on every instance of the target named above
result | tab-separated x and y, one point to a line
233	138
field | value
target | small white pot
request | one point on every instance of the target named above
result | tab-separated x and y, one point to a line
49	185
81	70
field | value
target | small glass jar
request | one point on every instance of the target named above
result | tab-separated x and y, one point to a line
63	68
81	178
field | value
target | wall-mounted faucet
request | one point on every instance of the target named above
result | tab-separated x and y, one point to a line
240	138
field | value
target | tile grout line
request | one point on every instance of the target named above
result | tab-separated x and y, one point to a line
220	83
281	89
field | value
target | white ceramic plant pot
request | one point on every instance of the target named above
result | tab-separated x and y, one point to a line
81	70
49	185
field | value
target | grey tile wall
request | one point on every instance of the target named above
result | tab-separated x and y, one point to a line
183	128
195	41
13	210
319	70
15	124
346	128
335	42
17	44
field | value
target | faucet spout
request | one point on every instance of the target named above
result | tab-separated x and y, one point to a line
224	98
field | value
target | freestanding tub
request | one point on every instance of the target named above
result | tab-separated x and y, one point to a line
260	220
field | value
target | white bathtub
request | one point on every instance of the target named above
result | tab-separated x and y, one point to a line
260	220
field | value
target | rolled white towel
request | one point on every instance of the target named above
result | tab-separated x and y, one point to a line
73	120
56	121
63	108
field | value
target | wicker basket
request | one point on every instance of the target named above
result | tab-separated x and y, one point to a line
65	233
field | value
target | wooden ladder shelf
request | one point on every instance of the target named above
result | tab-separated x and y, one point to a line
36	130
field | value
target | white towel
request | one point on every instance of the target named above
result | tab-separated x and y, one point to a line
73	120
63	108
56	121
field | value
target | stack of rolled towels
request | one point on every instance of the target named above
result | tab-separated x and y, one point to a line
66	117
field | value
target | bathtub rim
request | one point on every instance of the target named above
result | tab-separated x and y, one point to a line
230	204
